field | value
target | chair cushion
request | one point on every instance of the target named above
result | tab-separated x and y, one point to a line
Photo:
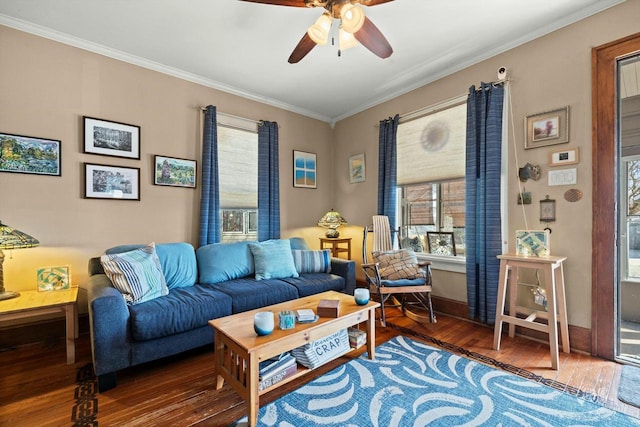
273	259
397	264
137	274
312	261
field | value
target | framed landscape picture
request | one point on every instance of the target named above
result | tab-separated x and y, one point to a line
111	182
357	168
28	154
174	172
304	169
111	138
548	128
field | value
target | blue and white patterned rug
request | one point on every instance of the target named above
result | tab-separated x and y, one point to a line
413	384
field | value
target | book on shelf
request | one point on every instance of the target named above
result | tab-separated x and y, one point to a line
278	376
320	351
357	338
271	366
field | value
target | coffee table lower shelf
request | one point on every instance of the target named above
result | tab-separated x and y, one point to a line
238	351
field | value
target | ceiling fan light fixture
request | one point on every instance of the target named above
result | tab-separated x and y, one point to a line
352	17
346	40
319	31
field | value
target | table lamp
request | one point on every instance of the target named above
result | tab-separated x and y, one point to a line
10	238
331	221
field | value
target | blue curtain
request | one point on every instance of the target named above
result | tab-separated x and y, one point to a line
210	191
387	159
482	220
268	182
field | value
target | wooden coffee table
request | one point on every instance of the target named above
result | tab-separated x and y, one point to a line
238	350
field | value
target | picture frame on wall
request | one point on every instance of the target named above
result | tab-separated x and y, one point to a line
564	157
357	172
108	138
548	128
304	169
111	182
28	154
174	172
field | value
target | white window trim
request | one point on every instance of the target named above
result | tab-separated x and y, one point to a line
456	264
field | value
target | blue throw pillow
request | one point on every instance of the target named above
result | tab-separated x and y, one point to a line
273	259
137	274
308	261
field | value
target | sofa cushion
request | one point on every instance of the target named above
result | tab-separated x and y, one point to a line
248	293
178	262
183	309
314	283
273	259
137	274
308	261
298	243
219	262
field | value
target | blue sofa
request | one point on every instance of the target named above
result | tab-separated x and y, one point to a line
214	281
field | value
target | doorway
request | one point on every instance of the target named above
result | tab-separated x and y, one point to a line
628	301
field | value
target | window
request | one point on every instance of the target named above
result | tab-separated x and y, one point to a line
238	174
431	178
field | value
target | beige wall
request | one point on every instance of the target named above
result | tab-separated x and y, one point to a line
547	73
47	87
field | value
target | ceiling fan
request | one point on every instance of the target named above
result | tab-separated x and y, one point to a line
354	26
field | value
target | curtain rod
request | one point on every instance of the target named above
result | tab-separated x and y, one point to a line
231	116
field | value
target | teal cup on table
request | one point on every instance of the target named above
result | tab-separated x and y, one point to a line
361	296
263	322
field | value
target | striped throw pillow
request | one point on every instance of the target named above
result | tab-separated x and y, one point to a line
308	261
137	274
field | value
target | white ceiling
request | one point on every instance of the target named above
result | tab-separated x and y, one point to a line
243	47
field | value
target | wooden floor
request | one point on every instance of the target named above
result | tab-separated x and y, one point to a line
37	388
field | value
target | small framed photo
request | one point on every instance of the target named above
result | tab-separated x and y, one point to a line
174	172
28	154
548	128
564	157
533	243
357	171
304	169
53	278
111	138
111	182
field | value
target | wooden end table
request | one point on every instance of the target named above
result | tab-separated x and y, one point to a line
238	350
34	303
334	245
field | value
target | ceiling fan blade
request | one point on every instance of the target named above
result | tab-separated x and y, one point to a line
303	47
373	2
293	3
371	38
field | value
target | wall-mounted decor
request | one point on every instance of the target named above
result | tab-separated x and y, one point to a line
357	172
111	138
304	169
548	128
524	198
547	210
111	182
174	172
53	278
27	154
564	157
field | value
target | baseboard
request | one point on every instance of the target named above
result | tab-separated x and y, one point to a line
40	331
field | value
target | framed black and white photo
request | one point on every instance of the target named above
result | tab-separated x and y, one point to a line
548	128
28	154
174	172
111	138
564	157
111	182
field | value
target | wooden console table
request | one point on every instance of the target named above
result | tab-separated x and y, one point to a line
34	303
334	245
510	264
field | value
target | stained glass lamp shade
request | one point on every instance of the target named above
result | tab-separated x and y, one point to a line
331	221
10	238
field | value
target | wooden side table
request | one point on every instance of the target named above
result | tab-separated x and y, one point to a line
34	303
510	265
334	245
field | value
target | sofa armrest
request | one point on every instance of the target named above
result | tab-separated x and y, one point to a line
109	326
347	269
